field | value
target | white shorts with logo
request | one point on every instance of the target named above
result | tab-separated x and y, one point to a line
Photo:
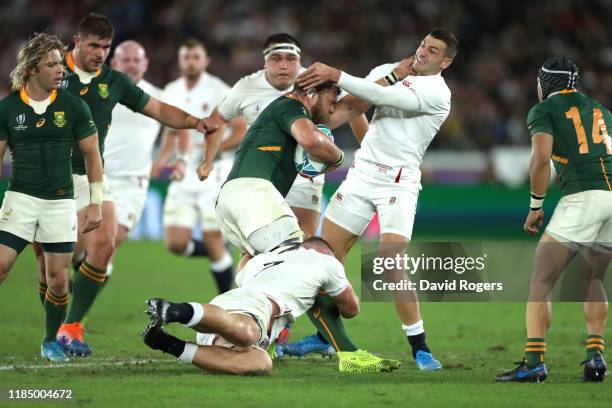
129	194
81	190
242	301
369	189
248	204
306	193
584	218
190	200
35	219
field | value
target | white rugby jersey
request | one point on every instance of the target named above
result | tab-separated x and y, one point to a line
294	278
396	140
129	144
199	102
249	96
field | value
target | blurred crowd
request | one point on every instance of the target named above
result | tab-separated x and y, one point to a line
503	43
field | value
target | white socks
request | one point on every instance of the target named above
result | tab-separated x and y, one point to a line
222	264
414	329
198	313
188	353
189	248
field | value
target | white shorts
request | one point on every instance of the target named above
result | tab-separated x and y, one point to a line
129	194
248	204
583	218
35	219
306	193
243	301
190	200
81	190
363	193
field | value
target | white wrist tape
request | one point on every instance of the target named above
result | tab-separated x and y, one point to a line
96	192
536	202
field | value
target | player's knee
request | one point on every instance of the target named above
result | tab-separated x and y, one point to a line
246	334
103	245
58	284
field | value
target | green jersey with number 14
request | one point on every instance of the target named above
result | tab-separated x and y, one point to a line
582	148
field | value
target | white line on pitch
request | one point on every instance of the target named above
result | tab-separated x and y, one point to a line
111	363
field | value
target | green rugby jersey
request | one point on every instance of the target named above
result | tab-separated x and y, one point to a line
41	145
268	149
582	150
105	90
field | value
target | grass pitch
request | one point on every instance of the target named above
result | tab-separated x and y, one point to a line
474	341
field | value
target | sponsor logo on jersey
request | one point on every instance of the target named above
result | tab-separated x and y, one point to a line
392	200
84	90
406	83
40	122
205	106
20	122
60	192
338	196
6	214
60	119
103	91
315	199
91	123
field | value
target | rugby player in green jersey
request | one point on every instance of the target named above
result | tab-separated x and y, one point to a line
572	129
40	124
264	169
102	88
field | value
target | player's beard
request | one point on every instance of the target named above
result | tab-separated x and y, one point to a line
319	116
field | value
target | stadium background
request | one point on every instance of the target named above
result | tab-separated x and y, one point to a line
474	187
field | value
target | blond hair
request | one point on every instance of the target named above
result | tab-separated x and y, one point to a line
30	54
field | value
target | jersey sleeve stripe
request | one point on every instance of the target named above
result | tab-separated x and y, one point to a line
560	159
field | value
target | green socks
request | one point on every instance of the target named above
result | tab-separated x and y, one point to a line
55	311
535	349
42	291
326	317
87	284
595	344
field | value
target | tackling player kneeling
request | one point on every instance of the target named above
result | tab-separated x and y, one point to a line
236	327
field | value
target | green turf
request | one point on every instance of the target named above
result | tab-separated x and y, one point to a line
474	341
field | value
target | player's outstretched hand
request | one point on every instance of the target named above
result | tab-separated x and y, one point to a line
207	125
534	221
318	74
92	218
204	170
178	170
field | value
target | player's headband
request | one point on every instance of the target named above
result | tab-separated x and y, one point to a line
282	47
572	76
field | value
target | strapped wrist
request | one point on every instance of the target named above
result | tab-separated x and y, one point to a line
96	192
537	202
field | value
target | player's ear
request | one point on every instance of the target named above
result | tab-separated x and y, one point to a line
446	62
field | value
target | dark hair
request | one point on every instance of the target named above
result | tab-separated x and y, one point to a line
448	38
323	87
97	25
192	43
280	38
317	239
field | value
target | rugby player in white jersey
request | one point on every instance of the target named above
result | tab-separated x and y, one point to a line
189	200
411	105
235	328
252	94
129	144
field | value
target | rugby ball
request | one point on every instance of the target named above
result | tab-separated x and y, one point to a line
306	164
